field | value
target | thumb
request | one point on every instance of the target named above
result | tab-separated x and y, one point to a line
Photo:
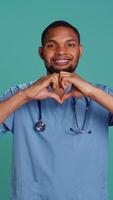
66	96
54	96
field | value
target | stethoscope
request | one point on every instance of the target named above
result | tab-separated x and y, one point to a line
40	126
81	130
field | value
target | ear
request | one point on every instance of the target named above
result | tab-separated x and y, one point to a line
40	50
81	49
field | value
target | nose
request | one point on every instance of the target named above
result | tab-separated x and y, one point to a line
61	50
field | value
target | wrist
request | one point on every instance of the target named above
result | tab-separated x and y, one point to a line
92	91
25	95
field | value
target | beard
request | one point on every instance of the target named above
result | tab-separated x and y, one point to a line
52	69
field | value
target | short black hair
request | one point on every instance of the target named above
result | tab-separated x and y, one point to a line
57	24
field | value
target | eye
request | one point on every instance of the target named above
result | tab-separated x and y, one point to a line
71	44
50	45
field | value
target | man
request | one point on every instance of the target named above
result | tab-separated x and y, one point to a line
59	125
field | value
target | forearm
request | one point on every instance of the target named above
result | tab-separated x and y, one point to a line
10	105
94	93
102	98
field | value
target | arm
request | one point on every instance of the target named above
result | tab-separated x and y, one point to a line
39	90
102	98
10	105
81	88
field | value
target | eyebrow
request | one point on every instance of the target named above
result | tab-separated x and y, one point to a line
68	40
51	41
72	40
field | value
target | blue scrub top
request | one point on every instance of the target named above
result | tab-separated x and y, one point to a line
56	164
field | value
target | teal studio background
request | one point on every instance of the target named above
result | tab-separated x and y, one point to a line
21	24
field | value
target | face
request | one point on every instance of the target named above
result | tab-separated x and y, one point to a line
61	50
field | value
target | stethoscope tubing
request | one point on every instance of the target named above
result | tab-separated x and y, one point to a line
41	126
78	129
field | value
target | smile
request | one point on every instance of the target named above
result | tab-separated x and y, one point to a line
61	61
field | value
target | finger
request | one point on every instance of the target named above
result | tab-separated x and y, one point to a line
68	79
65	73
59	81
64	81
61	76
66	96
64	84
43	82
54	96
55	81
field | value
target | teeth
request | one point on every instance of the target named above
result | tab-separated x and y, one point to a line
61	61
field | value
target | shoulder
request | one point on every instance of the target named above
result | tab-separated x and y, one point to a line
15	89
19	87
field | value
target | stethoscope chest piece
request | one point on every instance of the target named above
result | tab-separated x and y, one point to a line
39	126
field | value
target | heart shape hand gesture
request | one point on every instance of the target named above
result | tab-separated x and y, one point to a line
55	85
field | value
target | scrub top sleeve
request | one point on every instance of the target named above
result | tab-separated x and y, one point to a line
7	125
110	91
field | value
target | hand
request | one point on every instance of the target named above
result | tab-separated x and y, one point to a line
58	84
80	87
40	89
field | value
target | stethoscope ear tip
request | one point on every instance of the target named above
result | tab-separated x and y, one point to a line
89	132
78	131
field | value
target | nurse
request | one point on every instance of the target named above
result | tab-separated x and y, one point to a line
68	159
